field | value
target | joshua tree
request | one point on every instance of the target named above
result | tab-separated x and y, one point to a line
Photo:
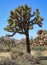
21	20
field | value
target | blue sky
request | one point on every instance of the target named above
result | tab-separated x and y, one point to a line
7	5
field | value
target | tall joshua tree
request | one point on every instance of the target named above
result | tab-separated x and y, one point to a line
21	21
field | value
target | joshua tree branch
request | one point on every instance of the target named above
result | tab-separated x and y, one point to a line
12	34
32	21
33	14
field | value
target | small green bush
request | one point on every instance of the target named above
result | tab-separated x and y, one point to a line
8	61
7	49
38	47
16	52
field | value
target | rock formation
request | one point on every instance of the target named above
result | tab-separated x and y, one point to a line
41	38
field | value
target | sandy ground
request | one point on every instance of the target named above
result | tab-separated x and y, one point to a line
5	54
44	53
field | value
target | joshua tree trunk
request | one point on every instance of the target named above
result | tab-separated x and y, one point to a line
27	42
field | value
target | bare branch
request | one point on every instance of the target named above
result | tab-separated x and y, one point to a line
11	35
33	21
33	14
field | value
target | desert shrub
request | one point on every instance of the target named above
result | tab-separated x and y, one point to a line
21	46
16	53
43	62
14	50
1	48
6	49
8	61
14	56
38	54
31	59
38	47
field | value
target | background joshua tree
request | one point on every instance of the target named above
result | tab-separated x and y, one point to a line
21	21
